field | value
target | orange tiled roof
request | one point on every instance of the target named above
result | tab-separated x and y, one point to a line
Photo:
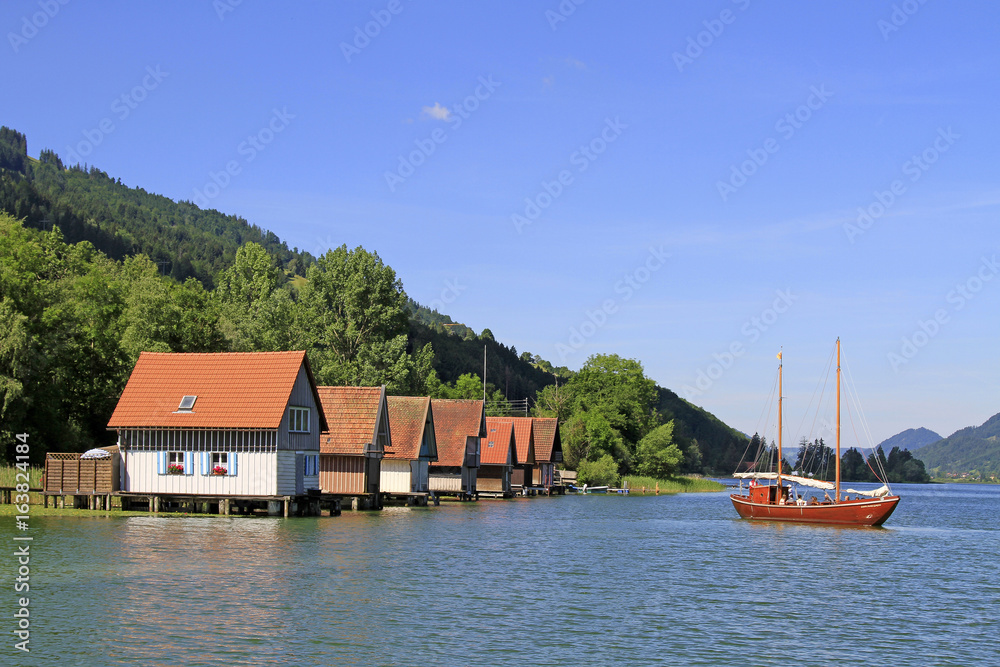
454	420
524	436
496	445
234	389
546	432
352	415
407	418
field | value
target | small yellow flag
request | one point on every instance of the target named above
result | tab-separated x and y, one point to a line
779	355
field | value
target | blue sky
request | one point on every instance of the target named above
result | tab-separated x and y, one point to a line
695	185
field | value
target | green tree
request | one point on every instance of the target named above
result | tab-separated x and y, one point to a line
355	323
657	454
602	472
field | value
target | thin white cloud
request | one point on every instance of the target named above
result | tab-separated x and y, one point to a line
437	112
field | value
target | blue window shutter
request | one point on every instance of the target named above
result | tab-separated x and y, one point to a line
232	463
206	463
161	463
188	463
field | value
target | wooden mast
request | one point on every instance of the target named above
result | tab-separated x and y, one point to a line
780	362
836	498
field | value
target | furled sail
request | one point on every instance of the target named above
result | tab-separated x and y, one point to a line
876	493
804	481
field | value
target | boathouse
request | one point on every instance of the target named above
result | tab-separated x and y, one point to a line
498	456
412	449
352	447
220	427
524	466
548	451
459	426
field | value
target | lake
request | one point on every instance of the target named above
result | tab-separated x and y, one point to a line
575	580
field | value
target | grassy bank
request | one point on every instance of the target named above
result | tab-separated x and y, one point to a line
639	484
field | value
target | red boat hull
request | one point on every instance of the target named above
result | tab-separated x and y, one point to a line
868	512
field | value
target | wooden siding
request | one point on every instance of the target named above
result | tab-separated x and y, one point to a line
68	474
255	476
286	473
301	397
543	474
517	478
419	470
197	439
446	483
341	474
396	476
493	479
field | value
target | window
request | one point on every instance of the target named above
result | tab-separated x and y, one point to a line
311	465
298	420
187	404
174	463
218	463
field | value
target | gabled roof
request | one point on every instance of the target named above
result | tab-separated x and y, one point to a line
233	389
498	446
547	442
409	418
354	415
524	436
454	421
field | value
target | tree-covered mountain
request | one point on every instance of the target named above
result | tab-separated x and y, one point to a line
89	205
911	439
974	450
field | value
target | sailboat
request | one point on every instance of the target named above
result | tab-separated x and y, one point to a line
780	501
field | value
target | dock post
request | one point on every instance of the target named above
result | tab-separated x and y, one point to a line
286	503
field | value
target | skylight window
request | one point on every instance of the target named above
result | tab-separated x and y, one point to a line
187	403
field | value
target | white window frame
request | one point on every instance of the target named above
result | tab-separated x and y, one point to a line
175	458
298	420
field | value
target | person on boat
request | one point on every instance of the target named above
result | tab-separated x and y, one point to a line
827	500
813	501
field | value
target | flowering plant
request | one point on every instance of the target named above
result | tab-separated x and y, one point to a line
218	470
175	469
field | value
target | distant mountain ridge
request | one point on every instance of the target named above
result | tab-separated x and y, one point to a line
911	439
974	449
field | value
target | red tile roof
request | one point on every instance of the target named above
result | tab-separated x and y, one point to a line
352	415
234	389
407	418
546	432
454	420
497	445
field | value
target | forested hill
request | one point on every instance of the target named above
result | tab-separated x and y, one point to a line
974	450
89	205
911	439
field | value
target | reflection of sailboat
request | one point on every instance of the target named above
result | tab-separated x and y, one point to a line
780	502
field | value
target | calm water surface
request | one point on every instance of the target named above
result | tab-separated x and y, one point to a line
571	580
